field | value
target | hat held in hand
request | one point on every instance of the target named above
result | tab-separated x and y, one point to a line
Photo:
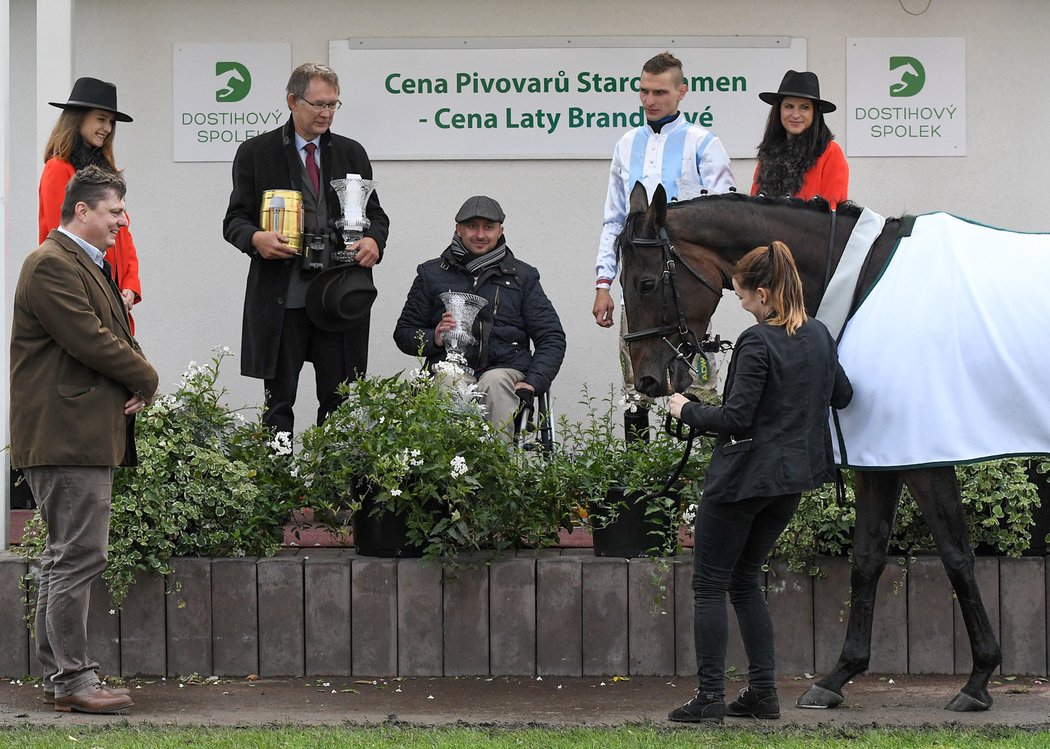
339	297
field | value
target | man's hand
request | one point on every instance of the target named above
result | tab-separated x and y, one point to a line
367	251
128	296
447	323
135	404
603	308
272	246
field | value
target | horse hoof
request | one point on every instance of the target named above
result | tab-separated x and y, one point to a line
819	698
964	703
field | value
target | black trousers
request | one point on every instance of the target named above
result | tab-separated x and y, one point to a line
732	541
336	357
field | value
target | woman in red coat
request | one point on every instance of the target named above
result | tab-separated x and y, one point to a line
798	156
84	135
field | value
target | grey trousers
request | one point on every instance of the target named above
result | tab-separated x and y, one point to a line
497	395
74	504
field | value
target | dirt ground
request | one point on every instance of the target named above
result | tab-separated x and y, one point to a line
907	701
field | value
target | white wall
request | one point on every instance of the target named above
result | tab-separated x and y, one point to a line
193	281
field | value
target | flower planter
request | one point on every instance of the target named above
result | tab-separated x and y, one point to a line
1040	515
382	533
632	533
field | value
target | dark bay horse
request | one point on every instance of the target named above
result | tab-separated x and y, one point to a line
676	260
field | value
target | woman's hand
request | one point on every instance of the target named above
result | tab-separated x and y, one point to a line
674	405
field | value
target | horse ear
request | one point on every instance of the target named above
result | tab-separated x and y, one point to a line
658	209
639	199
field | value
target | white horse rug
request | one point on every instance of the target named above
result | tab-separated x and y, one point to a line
949	353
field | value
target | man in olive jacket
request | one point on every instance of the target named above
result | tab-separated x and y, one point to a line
77	379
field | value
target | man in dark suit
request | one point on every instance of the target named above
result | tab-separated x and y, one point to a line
277	334
77	379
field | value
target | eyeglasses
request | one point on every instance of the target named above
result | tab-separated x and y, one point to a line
320	106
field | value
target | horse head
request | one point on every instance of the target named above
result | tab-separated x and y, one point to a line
670	292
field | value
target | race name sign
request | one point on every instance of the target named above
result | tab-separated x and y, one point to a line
224	94
542	98
906	97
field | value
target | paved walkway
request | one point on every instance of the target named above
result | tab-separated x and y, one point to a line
554	701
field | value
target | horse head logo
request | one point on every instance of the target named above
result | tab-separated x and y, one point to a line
236	85
912	78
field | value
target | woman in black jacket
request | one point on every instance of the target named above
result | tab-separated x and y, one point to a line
774	442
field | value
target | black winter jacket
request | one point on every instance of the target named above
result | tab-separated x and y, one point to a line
271	162
518	312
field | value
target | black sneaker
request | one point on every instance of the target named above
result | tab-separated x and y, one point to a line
754	703
703	708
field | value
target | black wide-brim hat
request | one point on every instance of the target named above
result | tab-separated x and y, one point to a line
91	93
339	297
802	85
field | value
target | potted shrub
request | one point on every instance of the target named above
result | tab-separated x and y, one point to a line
619	487
1002	509
209	483
403	454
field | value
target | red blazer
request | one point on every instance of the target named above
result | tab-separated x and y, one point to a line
122	256
828	178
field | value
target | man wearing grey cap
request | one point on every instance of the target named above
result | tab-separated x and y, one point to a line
478	261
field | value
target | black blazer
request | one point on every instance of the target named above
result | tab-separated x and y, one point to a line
270	162
772	427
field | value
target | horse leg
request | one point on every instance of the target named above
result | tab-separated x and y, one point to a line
876	494
936	490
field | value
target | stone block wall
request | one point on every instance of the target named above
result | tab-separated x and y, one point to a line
322	612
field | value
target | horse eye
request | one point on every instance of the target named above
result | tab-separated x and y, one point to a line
647	285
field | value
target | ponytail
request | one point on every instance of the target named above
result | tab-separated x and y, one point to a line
773	268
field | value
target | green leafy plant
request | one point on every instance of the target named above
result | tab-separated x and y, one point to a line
998	496
597	460
208	483
426	453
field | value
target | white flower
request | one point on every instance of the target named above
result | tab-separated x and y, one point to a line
630	402
282	443
459	466
447	368
395	492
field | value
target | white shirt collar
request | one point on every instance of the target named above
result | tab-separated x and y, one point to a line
96	255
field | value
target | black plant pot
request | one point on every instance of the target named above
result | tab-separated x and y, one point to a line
382	534
632	533
1040	515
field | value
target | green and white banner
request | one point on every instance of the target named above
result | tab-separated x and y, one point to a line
544	98
906	97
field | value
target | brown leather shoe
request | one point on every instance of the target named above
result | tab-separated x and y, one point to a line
93	698
49	694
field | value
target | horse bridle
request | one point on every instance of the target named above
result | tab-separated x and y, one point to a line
689	345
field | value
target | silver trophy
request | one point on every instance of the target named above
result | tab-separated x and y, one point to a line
464	308
353	195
